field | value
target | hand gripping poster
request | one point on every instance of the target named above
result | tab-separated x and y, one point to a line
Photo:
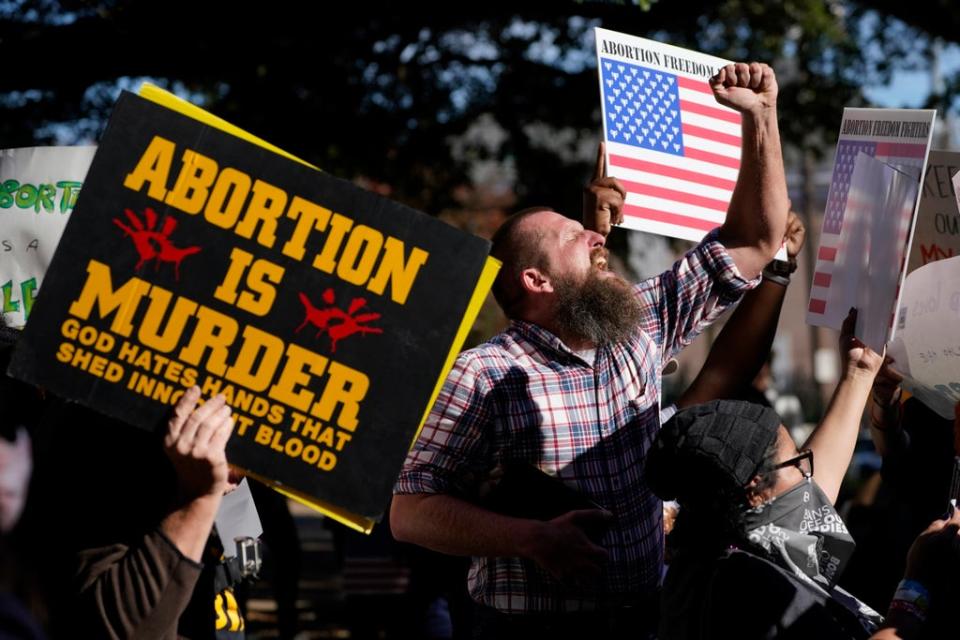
198	255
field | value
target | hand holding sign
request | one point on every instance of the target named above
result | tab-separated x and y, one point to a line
603	199
196	445
794	237
859	360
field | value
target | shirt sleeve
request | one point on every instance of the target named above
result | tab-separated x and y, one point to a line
453	446
134	591
679	303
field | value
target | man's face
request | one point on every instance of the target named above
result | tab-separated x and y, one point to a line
589	301
570	252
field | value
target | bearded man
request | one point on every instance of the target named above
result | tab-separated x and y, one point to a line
572	388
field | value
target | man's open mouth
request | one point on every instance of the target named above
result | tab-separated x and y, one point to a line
599	259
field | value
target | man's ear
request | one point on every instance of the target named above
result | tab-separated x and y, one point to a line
535	281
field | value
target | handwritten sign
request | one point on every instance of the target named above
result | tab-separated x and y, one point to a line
927	344
39	187
937	234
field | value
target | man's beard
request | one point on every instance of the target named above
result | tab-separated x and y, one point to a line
599	310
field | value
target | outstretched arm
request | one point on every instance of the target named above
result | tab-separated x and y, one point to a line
196	443
143	588
834	439
756	217
744	342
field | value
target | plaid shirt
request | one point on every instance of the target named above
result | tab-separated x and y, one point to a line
525	396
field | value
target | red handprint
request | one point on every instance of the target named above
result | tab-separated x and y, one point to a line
348	323
152	244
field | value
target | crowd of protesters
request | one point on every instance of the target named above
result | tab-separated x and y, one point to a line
570	390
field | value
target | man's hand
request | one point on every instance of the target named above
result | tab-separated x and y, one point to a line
196	445
563	548
858	359
747	88
795	236
602	199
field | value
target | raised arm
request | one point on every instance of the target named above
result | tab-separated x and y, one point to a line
756	217
745	340
834	439
144	587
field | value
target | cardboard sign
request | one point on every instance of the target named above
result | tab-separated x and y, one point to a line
927	346
937	234
39	187
326	314
672	146
867	226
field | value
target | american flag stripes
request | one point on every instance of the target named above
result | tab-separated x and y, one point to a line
674	149
903	156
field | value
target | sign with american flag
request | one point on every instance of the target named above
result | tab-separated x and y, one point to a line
672	146
898	139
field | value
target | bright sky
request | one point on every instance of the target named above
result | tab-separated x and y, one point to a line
911	88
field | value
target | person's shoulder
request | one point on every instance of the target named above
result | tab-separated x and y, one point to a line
502	347
488	358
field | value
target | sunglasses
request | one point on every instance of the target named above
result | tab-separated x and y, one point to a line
804	462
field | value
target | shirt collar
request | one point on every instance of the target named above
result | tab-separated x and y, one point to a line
543	339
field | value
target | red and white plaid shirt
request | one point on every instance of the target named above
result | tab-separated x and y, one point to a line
525	396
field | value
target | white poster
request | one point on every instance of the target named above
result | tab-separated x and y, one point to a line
672	146
937	234
39	187
927	345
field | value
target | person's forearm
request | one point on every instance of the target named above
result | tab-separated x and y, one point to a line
757	215
133	592
453	526
834	439
741	348
189	526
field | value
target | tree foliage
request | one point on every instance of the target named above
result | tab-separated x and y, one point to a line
416	99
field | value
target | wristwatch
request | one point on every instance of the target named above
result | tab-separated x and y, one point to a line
779	270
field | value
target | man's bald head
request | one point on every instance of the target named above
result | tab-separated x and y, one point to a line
517	244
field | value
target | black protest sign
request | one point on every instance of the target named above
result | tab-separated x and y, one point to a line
324	313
